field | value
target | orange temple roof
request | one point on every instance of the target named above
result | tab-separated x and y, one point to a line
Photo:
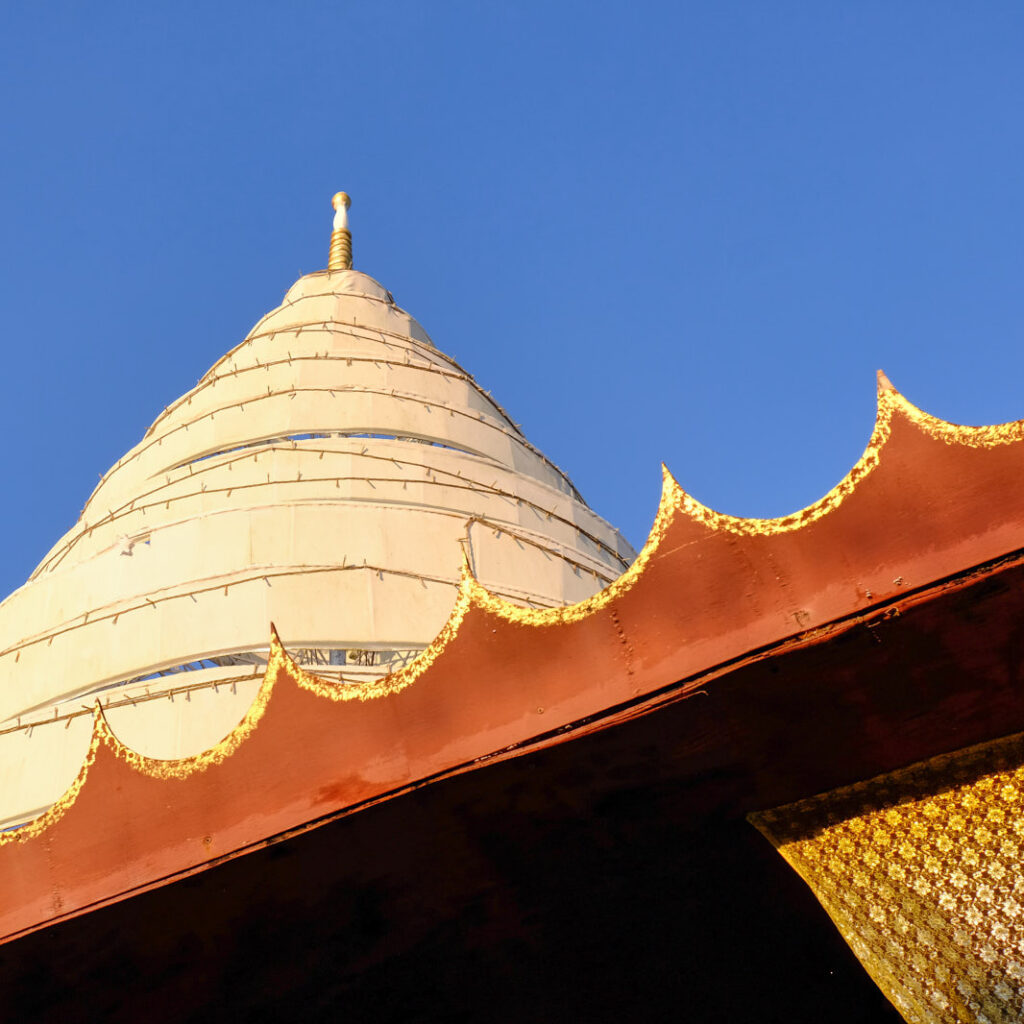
748	662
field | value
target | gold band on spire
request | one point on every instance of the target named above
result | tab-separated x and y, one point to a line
340	257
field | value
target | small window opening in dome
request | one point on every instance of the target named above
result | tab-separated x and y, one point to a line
292	438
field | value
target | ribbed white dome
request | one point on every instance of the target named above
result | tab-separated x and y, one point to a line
326	475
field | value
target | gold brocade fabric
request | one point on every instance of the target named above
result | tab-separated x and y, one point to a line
923	874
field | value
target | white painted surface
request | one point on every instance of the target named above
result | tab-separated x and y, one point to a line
228	515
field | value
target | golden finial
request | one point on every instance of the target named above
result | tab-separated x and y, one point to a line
341	238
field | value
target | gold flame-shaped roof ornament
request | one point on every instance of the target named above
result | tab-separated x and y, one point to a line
340	257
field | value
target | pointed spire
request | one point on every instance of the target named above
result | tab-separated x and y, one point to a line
341	238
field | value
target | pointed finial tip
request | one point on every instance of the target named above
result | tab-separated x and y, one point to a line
340	257
884	384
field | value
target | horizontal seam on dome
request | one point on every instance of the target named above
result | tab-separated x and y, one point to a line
89	618
388	393
132	506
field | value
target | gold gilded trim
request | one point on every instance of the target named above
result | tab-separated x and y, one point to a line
394	682
52	815
890	403
991	436
471	593
672	496
673	500
181	768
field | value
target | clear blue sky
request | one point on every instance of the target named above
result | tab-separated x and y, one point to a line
670	232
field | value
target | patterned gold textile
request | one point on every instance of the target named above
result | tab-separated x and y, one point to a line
921	871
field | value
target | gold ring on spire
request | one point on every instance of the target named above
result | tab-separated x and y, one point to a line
340	256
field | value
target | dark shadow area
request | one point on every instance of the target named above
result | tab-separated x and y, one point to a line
527	890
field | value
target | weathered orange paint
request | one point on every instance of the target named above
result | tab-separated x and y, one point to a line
709	605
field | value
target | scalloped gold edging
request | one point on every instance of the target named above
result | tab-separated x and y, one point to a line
60	807
890	402
672	496
394	682
182	767
471	592
675	499
991	436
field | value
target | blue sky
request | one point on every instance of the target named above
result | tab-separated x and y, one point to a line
657	231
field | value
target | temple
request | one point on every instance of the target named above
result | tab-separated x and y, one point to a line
329	474
338	699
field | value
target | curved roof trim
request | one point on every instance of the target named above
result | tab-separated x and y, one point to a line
677	512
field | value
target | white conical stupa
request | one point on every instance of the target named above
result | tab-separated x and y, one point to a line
327	474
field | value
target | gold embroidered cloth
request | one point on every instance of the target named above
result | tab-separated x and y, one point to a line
921	871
